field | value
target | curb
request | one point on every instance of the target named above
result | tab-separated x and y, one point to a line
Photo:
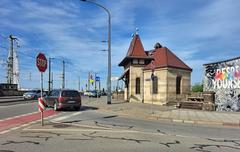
144	115
194	122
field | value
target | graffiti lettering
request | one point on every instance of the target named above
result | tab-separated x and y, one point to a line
226	84
224	79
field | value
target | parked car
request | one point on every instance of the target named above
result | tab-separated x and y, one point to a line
95	94
34	94
86	93
63	99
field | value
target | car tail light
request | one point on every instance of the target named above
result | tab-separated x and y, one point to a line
60	99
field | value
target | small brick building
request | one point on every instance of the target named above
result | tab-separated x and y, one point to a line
169	81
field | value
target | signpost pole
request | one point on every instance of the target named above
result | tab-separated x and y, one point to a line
41	63
152	78
152	94
42	98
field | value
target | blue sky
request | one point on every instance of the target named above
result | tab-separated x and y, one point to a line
198	31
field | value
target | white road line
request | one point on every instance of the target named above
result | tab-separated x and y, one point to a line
81	130
65	117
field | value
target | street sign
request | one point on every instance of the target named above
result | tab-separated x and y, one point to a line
41	62
152	76
152	66
41	105
97	78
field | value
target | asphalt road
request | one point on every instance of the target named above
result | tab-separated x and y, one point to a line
6	100
11	109
93	130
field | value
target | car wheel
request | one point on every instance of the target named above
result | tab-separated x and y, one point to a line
55	106
77	108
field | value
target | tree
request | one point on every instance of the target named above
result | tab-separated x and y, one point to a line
198	87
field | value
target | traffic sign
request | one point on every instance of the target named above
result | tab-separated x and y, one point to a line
152	66
97	78
152	76
41	62
41	105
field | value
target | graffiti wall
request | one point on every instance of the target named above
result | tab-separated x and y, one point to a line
224	79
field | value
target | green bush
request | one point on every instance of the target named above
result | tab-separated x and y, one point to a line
197	87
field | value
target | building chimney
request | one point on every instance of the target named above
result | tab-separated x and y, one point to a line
157	45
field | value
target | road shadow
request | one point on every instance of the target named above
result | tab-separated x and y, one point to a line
83	108
119	102
87	108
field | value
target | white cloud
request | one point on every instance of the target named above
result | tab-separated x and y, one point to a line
67	29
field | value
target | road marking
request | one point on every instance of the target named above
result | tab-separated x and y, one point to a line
85	126
24	120
81	130
18	116
24	125
65	117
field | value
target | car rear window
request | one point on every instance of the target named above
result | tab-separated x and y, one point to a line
70	94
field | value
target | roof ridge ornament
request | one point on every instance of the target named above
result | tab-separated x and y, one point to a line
136	32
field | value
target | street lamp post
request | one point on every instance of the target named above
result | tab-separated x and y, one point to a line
109	94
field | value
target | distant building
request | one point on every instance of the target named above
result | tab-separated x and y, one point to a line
223	78
7	87
169	81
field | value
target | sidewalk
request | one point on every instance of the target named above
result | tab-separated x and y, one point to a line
170	114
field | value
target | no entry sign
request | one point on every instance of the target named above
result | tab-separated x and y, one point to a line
41	62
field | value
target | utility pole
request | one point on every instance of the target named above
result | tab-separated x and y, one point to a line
52	81
10	61
79	84
95	81
63	75
99	84
49	75
88	81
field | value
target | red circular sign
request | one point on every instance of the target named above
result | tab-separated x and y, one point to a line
41	62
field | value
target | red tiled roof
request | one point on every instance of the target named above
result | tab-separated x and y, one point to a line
163	57
136	48
135	51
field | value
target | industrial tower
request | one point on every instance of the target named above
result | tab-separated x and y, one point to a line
12	63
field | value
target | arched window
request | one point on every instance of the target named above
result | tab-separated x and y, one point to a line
137	85
178	84
155	85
